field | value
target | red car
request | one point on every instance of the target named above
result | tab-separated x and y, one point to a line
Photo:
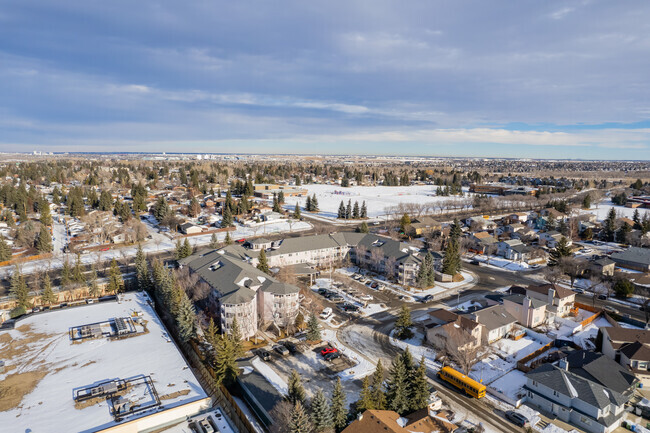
240	241
105	249
328	350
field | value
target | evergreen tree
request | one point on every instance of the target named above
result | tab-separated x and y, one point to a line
419	388
451	262
46	216
225	363
377	388
313	328
19	289
610	225
106	201
561	250
5	250
276	204
187	248
44	240
299	421
115	281
178	250
404	222
623	288
355	210
236	338
426	274
363	228
321	414
226	217
228	239
403	324
77	272
341	212
637	219
365	396
339	407
314	203
186	317
93	287
263	264
586	202
308	207
364	210
295	390
622	234
66	274
281	197
348	210
397	387
296	211
214	242
47	295
141	269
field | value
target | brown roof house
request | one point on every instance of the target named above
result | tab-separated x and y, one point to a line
422	421
444	327
559	301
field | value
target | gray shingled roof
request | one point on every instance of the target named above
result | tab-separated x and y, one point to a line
574	386
602	370
494	317
633	255
519	299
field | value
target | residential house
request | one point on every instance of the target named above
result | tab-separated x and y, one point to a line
424	420
551	238
520	217
190	229
504	246
260	244
529	312
585	389
496	320
628	347
483	242
603	266
443	325
422	226
634	258
559	301
478	223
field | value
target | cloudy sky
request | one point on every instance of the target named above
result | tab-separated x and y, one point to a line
525	78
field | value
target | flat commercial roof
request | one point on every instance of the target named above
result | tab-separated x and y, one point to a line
44	367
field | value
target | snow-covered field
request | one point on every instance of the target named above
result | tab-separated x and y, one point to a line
40	345
379	199
602	209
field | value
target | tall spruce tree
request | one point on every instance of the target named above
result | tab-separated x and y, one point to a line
397	387
115	281
296	211
141	270
228	239
339	407
403	324
187	248
610	225
186	317
321	414
225	363
262	262
364	210
314	203
236	338
44	241
365	401
313	328
355	210
19	289
560	251
378	394
295	390
419	387
341	212
47	295
299	421
214	241
5	250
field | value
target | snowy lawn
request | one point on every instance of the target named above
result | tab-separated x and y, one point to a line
510	384
515	350
491	368
379	199
501	263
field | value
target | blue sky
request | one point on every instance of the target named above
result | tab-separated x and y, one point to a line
545	79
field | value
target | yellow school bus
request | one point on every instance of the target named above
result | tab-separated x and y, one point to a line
460	381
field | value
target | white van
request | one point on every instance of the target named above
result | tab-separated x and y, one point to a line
326	313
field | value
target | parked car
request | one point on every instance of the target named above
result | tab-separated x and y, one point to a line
517	419
369	283
365	297
337	299
329	349
610	309
426	298
602	297
282	351
291	346
331	356
326	313
349	307
374	285
580	291
36	309
475	262
263	354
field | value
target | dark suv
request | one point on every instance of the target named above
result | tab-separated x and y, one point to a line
516	418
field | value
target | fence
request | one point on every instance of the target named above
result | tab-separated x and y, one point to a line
521	364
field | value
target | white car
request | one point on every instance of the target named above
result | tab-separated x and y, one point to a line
366	297
326	313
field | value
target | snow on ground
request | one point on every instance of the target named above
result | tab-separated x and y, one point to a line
584	337
378	198
491	368
469	279
602	209
510	384
514	350
417	348
274	379
47	348
363	365
501	263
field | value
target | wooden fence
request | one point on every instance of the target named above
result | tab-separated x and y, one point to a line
521	364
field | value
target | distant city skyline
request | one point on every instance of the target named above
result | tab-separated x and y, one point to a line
557	79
